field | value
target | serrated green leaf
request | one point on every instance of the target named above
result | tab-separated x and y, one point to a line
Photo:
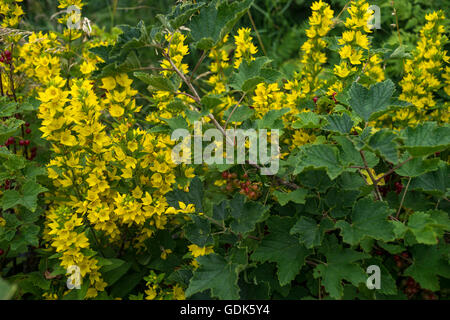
282	248
340	265
215	21
246	214
216	274
429	262
426	138
321	156
369	219
382	142
156	82
310	232
297	196
339	123
372	102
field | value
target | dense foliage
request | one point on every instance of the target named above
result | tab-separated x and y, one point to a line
88	183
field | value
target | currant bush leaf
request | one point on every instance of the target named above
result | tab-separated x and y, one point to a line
282	248
216	274
368	219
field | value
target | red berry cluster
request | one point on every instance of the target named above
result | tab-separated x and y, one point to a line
244	185
402	260
7	185
1	252
397	187
411	287
6	57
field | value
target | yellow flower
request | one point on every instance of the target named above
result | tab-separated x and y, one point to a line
116	111
200	251
108	83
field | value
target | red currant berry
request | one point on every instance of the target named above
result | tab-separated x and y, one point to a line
28	131
27	142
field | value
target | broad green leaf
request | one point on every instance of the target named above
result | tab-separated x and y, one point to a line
176	123
417	167
216	274
307	120
426	138
246	214
30	192
339	123
425	228
282	248
310	232
156	82
321	156
340	265
429	262
382	142
272	119
240	114
436	182
372	102
198	231
6	290
297	196
249	74
215	21
368	219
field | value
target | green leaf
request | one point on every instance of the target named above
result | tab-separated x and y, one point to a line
272	119
429	262
436	182
382	142
27	197
426	138
340	266
369	219
6	290
30	191
310	232
321	156
417	167
215	21
297	196
249	74
246	214
307	120
176	123
372	102
282	248
9	127
425	228
156	82
339	123
240	114
216	274
198	231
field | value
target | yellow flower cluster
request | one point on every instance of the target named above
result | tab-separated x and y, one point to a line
11	12
314	56
423	70
218	66
354	45
245	49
